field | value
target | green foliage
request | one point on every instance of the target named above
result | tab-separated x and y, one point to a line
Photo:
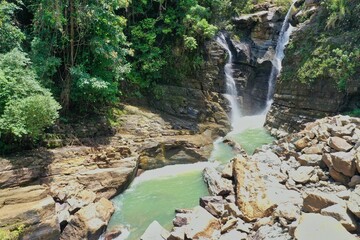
190	43
324	53
29	116
26	108
354	113
12	235
326	63
148	60
337	10
90	91
164	39
230	8
10	35
81	47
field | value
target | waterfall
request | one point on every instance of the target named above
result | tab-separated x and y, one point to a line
231	91
283	40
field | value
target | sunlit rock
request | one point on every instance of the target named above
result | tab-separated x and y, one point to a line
155	232
315	226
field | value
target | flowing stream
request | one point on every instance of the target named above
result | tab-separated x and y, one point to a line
155	194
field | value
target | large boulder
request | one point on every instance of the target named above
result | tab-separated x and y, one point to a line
168	152
339	144
89	222
344	162
314	226
251	195
310	160
303	174
105	178
273	232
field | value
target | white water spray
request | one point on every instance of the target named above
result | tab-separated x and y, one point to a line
231	91
283	40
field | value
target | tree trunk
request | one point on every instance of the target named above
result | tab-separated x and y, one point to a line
65	94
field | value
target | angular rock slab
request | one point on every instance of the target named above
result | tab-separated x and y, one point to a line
354	202
315	201
344	162
339	144
340	213
155	232
303	174
203	225
314	226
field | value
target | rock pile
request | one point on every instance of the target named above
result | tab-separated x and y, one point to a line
303	186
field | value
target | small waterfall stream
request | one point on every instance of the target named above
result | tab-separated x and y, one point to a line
283	40
231	91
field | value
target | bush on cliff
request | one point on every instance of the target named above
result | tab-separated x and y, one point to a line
328	48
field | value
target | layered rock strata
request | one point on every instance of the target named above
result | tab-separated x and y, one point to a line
63	193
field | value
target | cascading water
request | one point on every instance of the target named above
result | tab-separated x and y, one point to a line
283	40
231	91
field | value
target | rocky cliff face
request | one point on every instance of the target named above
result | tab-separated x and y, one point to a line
200	97
252	44
311	84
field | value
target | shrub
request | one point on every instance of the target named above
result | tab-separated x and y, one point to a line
11	235
26	108
29	116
